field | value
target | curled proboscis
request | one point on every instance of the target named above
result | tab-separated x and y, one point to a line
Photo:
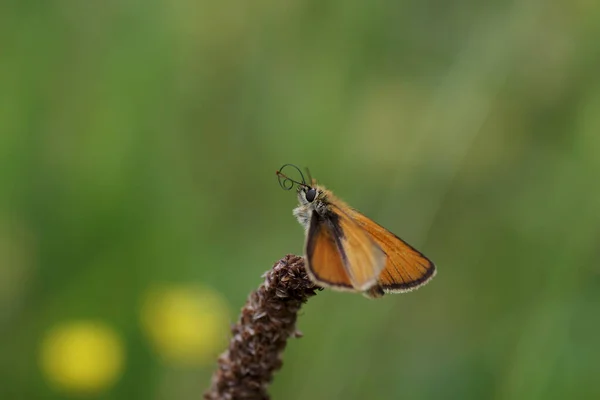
286	182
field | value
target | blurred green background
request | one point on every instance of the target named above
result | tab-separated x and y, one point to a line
139	204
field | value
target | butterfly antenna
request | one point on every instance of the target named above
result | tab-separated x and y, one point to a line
310	178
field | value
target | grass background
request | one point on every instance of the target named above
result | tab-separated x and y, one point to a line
139	141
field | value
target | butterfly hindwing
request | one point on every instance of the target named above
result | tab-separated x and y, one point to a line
341	254
323	259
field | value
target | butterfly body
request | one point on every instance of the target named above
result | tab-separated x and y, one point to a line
320	205
345	250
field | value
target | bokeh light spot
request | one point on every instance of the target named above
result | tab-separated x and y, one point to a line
82	357
187	325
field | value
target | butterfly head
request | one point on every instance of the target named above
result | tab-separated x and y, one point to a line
311	197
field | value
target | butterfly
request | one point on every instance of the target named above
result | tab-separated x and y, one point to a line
345	250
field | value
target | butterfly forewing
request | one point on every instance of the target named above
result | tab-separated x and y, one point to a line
406	268
363	258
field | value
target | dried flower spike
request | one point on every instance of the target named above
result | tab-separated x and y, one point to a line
259	337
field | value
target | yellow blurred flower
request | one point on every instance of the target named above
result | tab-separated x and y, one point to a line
82	357
187	325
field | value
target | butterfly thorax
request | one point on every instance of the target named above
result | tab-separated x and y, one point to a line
320	204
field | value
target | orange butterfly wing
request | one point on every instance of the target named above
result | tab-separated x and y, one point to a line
406	268
363	258
337	245
323	260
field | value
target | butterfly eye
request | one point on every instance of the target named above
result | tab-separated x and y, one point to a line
311	194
